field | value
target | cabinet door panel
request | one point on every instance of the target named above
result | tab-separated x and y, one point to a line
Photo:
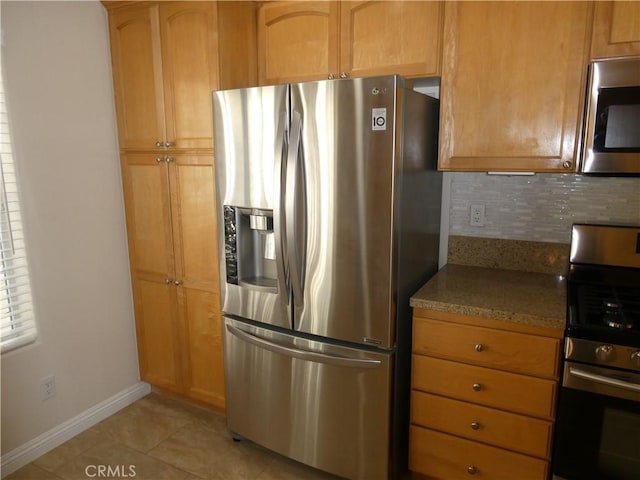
512	85
616	29
390	37
297	41
135	51
157	333
204	373
194	227
189	60
194	221
148	213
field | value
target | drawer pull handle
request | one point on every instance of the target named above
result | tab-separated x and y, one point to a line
477	387
479	347
475	425
471	470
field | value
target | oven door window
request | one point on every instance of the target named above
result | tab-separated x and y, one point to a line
597	437
617	122
619	453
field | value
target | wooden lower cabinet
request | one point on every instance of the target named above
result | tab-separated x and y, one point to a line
171	227
203	371
488	347
523	434
157	333
442	456
494	388
483	398
179	331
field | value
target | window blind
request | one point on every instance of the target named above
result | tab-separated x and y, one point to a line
17	324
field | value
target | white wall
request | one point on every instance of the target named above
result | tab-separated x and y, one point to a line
58	79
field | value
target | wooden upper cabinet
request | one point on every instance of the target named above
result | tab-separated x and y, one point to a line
388	37
190	65
165	66
135	52
297	41
616	29
512	85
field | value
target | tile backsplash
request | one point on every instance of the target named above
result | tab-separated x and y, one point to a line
541	207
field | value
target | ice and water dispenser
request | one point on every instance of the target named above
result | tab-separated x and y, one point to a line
250	252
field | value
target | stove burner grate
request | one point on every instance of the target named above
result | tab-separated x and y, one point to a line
614	315
614	306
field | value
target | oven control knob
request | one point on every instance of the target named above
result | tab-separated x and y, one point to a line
635	358
604	353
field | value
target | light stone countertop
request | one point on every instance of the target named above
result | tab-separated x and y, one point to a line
536	299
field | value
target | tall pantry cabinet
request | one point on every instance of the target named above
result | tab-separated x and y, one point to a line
167	59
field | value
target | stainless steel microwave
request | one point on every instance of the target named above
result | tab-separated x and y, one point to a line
611	136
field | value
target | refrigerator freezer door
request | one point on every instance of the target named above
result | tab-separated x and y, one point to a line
250	136
324	405
349	162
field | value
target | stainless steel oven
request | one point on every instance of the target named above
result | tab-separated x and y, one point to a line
597	435
611	136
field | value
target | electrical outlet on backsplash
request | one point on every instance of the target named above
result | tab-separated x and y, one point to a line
542	207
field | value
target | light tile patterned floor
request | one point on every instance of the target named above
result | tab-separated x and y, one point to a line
160	438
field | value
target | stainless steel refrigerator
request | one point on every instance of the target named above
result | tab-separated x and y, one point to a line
329	210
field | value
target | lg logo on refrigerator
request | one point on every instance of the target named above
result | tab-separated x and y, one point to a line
378	119
378	115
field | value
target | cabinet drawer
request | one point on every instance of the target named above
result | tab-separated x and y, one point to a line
493	388
516	352
495	427
446	457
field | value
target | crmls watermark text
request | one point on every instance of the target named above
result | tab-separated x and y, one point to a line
110	471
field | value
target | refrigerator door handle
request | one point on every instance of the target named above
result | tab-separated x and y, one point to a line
303	354
293	229
278	220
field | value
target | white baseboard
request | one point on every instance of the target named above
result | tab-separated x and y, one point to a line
55	437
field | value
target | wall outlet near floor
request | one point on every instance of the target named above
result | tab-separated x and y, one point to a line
48	387
477	215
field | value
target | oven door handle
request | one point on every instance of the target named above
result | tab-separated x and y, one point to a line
612	382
